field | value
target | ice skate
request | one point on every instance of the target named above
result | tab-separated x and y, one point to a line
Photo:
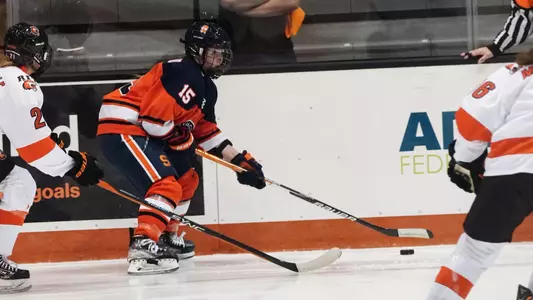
177	244
13	279
146	258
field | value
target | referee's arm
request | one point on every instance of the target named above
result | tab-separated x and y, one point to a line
515	31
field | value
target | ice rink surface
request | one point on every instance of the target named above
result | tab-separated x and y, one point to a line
367	274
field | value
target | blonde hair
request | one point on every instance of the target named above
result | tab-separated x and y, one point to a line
5	61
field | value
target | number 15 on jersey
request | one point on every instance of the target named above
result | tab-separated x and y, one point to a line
186	94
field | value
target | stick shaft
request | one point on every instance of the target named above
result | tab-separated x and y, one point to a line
287	265
424	233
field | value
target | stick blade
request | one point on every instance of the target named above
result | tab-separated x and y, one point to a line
415	233
323	260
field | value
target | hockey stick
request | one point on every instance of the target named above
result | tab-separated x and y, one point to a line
401	232
324	260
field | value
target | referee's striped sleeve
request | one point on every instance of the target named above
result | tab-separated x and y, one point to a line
517	27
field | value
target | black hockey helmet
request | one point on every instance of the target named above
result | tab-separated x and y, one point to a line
25	44
209	45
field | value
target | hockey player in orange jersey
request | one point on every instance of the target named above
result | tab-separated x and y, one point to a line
500	112
149	130
26	53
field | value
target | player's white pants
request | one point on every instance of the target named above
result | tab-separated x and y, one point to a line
463	268
17	194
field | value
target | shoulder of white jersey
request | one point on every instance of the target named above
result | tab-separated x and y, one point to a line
14	78
515	69
504	84
507	76
19	87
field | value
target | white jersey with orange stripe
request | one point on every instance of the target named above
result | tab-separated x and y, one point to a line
499	112
22	121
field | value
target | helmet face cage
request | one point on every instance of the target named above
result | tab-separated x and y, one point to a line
43	60
216	60
25	45
209	45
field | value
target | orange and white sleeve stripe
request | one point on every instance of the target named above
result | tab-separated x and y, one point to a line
46	156
156	127
157	112
472	138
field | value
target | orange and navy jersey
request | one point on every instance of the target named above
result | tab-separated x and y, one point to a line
499	112
22	121
173	93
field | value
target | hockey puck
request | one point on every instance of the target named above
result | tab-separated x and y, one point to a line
407	251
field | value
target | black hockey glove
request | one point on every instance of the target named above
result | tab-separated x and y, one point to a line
254	176
86	171
467	176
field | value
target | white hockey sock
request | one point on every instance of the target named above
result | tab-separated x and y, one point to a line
464	267
8	234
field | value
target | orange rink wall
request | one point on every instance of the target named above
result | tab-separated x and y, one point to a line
58	246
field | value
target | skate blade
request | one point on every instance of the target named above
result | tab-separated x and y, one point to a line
186	256
16	286
152	267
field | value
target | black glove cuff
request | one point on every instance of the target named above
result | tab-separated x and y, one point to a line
238	159
217	151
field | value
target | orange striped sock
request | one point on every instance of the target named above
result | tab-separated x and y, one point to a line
454	281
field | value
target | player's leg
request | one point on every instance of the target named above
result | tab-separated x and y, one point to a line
17	192
171	238
189	180
502	204
142	161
